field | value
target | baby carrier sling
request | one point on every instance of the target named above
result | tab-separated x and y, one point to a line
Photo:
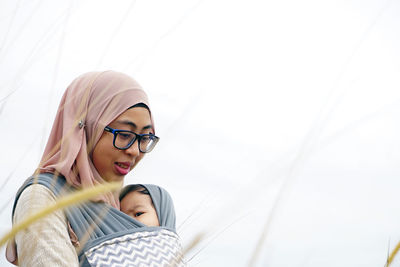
109	237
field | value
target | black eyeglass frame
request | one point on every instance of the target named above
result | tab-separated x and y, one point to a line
138	137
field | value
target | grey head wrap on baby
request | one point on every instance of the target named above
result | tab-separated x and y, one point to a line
162	202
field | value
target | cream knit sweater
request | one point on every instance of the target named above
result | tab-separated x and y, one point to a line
46	242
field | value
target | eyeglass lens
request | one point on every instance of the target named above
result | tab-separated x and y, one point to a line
123	140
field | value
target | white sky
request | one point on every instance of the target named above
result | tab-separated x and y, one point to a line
278	111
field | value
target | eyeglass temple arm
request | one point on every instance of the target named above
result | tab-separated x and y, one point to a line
108	129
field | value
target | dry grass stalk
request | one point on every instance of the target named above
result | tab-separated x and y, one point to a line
393	254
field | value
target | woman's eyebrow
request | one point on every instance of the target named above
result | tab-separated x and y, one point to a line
134	125
147	127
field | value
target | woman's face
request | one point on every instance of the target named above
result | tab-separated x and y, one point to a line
111	163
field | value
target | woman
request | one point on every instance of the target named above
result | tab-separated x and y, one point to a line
101	131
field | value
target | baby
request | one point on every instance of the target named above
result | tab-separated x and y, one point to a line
148	204
151	206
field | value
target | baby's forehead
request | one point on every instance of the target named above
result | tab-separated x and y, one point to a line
137	197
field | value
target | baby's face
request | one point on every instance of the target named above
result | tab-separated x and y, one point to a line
139	206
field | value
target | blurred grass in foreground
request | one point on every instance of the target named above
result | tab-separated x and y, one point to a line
63	202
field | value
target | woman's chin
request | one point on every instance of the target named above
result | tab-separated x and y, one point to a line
115	178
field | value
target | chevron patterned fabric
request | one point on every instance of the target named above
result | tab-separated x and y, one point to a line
147	248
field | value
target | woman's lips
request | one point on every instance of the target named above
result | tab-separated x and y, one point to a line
122	167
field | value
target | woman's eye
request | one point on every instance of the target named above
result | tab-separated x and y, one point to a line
145	139
137	214
125	135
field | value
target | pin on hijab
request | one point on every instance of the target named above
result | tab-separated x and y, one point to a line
81	124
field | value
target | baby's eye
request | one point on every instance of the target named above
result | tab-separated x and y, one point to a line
137	214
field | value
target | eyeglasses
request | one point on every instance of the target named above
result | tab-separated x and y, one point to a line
124	139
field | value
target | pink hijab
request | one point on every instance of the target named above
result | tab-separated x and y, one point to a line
91	102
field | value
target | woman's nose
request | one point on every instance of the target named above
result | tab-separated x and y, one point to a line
134	149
